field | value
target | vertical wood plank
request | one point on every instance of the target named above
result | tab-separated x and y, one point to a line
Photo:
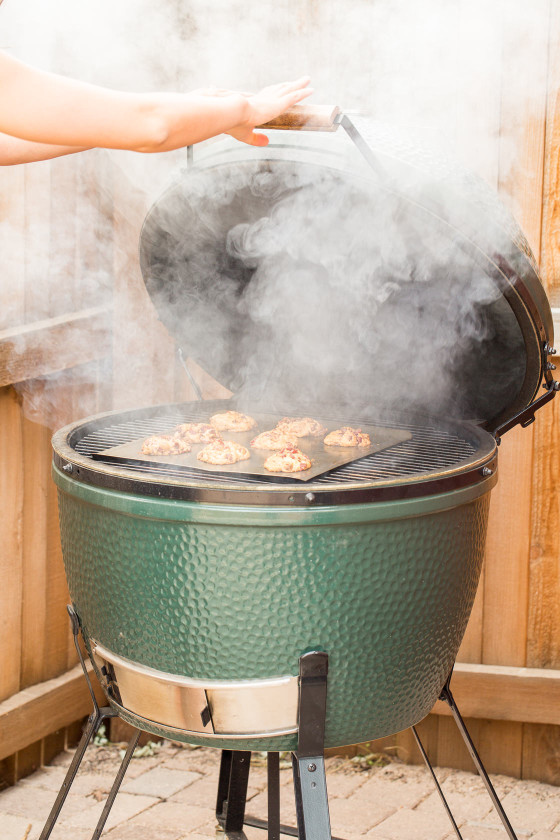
37	182
63	237
52	745
506	573
36	480
144	367
523	108
523	114
12	246
543	636
498	743
58	410
11	513
541	744
550	262
28	760
541	753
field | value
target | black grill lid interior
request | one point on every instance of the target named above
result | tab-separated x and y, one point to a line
301	283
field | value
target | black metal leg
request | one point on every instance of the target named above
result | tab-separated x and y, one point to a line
273	773
95	719
437	784
75	624
448	698
232	790
116	785
223	785
310	784
93	724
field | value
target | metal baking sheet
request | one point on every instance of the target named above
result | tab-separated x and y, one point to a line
324	458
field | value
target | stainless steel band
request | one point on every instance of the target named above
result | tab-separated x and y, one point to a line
219	708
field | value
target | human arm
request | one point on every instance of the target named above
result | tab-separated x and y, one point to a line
46	108
15	150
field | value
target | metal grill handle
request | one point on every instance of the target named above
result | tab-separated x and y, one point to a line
306	118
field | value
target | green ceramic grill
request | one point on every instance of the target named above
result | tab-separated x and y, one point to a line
351	278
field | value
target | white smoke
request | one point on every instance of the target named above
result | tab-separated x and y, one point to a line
461	77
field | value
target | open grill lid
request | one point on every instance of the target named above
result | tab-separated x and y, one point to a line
366	274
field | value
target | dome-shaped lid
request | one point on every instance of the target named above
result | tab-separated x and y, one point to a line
304	275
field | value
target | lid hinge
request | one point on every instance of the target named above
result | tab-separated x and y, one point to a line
527	416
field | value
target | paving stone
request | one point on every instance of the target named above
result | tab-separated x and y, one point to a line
342	785
170	818
397	786
84	784
160	781
199	760
63	833
412	825
35	803
530	806
129	831
349	816
139	766
478	832
203	792
466	795
126	806
212	829
258	806
397	802
258	778
195	836
14	828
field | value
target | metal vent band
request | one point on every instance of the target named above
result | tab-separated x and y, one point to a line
232	708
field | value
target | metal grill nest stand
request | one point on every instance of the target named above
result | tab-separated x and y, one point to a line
308	764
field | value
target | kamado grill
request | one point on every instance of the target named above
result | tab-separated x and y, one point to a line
259	612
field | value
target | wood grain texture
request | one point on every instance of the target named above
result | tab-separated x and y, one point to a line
37	184
36	478
505	693
28	351
507	554
541	743
523	110
11	516
543	635
36	712
541	753
550	236
12	246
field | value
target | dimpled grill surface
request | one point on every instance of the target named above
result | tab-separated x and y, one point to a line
388	600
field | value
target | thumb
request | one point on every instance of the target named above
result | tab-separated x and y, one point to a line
258	139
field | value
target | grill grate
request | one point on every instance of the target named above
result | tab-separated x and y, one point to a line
430	450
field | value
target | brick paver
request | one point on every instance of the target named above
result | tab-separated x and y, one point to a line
171	795
530	807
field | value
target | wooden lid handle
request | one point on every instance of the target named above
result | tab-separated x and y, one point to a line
306	118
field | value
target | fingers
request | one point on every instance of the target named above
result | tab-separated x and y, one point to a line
294	98
287	87
302	82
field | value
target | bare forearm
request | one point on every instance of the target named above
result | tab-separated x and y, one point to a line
45	108
14	150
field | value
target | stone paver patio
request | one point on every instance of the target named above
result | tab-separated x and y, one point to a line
170	796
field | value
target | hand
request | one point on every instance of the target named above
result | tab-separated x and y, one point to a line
270	102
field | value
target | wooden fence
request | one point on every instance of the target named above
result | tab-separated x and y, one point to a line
62	292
